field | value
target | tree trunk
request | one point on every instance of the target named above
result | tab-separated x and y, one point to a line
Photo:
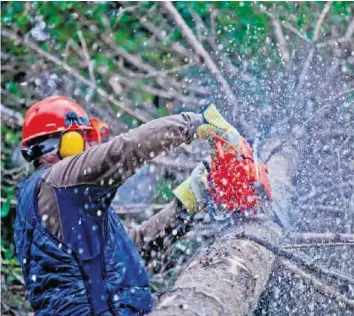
226	278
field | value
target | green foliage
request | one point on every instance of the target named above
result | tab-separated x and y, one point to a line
241	33
164	191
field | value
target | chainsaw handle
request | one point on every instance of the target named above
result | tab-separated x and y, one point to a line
219	146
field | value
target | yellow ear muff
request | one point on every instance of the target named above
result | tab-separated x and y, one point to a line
71	144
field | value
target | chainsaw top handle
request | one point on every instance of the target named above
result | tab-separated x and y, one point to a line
219	144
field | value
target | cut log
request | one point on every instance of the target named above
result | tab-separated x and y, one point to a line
226	278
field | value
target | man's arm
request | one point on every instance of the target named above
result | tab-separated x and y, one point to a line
162	230
113	162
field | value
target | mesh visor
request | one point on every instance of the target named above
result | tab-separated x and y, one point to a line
40	148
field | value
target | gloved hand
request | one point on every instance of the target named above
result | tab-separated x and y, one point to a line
191	192
213	122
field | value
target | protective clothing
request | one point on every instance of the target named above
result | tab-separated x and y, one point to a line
58	123
52	115
94	269
213	121
191	191
76	257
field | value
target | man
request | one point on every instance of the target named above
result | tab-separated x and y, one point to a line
76	256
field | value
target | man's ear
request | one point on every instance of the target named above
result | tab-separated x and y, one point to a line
71	143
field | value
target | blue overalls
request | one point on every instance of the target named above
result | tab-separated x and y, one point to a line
94	269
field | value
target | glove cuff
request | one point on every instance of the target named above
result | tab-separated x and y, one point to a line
184	194
213	117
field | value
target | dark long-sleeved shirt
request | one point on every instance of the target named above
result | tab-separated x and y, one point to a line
112	163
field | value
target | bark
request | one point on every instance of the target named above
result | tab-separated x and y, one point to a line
226	278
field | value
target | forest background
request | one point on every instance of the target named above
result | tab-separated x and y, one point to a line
281	72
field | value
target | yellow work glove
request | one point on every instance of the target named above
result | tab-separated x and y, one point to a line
191	192
213	122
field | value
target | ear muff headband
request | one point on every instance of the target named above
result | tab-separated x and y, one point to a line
71	144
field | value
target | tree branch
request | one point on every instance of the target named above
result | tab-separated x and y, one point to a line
161	35
87	57
137	62
320	21
136	207
318	245
279	35
204	55
74	73
122	11
321	237
224	59
318	285
168	94
9	115
298	260
285	24
303	74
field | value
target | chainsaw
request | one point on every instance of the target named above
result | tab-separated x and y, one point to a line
237	179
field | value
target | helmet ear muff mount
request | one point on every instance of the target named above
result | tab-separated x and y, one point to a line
71	143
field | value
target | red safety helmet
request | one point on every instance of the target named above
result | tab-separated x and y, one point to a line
52	115
47	125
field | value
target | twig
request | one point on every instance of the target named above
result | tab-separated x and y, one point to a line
73	72
285	24
320	21
162	36
294	30
225	60
12	96
72	44
136	207
122	10
139	63
10	115
87	57
321	237
350	31
318	245
199	25
319	286
14	171
173	163
297	259
279	35
204	55
168	94
326	208
132	59
347	224
347	37
336	96
199	49
161	73
303	74
316	115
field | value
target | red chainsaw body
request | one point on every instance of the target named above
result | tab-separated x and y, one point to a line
233	179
